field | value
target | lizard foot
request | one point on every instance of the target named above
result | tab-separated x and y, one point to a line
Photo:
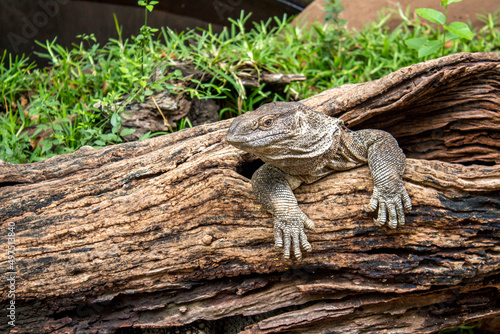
390	205
289	232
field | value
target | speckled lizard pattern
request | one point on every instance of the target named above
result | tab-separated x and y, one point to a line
299	145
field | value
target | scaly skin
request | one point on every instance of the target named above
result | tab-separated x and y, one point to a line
300	145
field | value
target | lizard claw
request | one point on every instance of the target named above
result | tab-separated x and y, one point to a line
289	233
391	206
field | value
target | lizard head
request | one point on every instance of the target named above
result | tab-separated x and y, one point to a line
283	130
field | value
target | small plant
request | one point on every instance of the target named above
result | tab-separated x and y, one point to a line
146	33
332	10
49	111
463	329
491	21
451	32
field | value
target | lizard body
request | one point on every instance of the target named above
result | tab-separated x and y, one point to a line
299	145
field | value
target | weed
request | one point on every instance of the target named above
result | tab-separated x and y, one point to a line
455	31
48	111
332	10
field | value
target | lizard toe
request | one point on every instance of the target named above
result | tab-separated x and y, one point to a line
296	245
304	243
382	215
308	223
278	235
287	243
400	214
372	206
393	222
406	201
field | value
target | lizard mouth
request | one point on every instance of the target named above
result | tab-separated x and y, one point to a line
252	142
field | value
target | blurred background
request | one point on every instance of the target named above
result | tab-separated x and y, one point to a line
24	21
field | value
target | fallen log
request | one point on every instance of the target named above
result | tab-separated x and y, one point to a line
166	232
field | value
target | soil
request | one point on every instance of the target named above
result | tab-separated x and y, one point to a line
359	12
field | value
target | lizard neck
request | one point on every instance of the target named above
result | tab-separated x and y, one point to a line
310	163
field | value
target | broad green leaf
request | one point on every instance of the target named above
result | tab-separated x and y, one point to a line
415	43
432	15
126	132
429	48
115	119
451	37
124	69
46	145
150	8
460	29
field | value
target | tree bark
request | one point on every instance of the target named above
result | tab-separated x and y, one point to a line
166	232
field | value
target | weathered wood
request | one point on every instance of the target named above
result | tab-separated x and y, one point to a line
445	109
166	232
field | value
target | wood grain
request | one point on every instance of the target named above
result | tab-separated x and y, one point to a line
166	232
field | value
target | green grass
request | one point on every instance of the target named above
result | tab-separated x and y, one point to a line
58	100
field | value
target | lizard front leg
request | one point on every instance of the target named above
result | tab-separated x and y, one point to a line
273	189
387	163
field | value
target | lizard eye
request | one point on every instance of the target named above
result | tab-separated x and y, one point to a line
268	122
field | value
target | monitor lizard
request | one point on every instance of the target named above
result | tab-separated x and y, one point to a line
300	145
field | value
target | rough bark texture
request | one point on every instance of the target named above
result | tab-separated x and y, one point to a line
166	232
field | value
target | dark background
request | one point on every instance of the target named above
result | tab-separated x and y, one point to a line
24	21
